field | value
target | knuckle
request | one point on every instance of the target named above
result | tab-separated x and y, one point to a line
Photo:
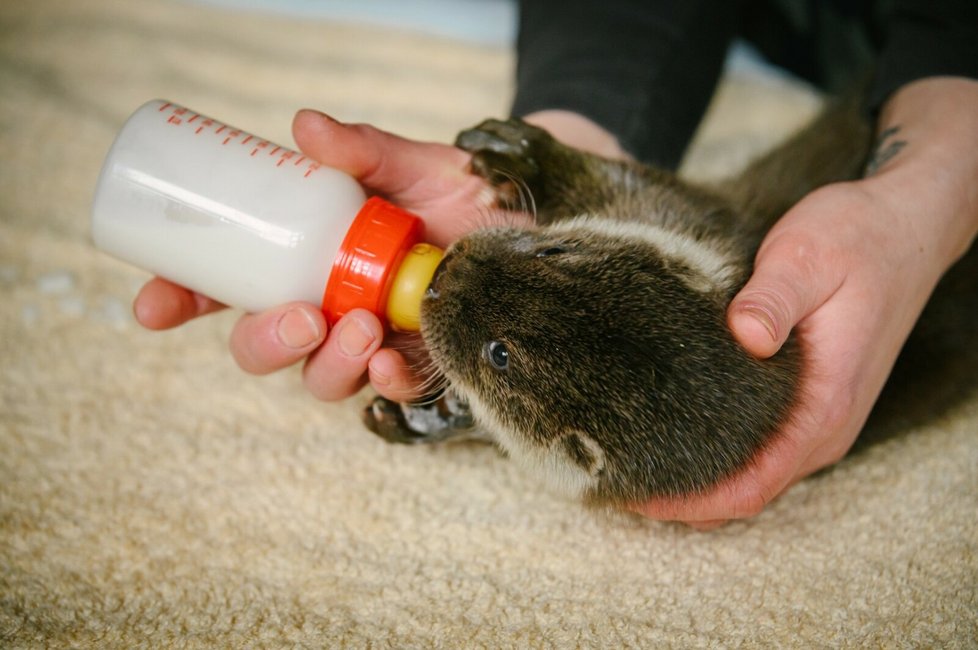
751	495
251	347
244	356
836	455
314	385
749	504
836	412
327	387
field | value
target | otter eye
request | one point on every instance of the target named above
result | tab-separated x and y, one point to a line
497	355
553	250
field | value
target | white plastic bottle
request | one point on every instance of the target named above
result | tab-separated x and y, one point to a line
253	224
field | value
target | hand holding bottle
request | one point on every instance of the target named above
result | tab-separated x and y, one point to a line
429	180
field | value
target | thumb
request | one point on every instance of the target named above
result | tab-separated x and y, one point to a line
380	160
789	282
355	148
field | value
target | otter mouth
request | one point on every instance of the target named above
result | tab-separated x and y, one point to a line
432	291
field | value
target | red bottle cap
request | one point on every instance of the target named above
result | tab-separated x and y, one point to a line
375	244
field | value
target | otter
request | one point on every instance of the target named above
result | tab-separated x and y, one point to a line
592	346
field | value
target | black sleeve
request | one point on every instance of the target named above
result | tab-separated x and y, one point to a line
644	70
926	39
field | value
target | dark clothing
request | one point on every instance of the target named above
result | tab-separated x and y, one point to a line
646	69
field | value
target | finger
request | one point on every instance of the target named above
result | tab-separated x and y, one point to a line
741	499
393	377
790	280
160	305
378	159
429	179
265	342
338	368
741	496
736	500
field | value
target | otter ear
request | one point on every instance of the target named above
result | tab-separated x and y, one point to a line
584	452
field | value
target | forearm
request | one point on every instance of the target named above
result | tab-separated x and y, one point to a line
926	95
929	159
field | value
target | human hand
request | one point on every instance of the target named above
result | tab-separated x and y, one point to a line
849	269
430	180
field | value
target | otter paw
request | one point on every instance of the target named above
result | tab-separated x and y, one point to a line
432	421
508	155
384	418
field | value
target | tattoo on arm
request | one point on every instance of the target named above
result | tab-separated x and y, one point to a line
886	148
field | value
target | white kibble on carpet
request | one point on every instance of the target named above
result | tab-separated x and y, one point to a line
114	311
56	282
29	315
72	306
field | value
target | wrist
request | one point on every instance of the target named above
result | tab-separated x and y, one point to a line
928	165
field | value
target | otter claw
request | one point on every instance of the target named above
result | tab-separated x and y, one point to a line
512	137
506	154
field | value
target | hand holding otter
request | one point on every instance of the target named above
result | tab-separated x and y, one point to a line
850	268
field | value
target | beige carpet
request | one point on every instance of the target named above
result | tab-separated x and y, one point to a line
152	495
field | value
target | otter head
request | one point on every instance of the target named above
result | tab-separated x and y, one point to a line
597	356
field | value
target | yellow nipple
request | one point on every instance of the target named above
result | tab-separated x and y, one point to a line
408	287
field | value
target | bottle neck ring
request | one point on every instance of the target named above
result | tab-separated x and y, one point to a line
365	266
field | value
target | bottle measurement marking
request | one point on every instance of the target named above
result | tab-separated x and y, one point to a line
178	116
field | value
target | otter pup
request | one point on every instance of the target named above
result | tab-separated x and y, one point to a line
593	346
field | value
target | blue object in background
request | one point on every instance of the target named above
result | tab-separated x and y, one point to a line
489	22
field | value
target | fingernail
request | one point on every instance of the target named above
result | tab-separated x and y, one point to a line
355	338
297	329
320	114
764	319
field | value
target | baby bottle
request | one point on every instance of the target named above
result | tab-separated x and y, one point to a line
253	224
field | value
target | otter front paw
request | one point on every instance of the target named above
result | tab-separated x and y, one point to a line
434	421
508	154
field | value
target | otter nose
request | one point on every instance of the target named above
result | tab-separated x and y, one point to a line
432	290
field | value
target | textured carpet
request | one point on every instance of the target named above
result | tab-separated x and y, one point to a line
152	495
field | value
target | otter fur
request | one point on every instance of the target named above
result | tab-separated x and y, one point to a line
592	346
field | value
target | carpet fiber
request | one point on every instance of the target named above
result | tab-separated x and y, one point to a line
153	495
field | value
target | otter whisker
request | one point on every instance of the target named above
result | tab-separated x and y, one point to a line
427	373
521	201
515	211
491	217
